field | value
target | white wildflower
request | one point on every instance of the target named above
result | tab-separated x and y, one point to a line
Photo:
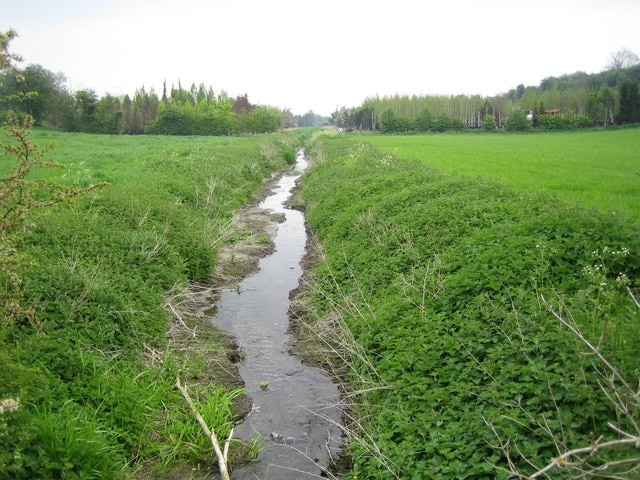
9	405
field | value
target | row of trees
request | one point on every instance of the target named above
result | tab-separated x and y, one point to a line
179	111
570	101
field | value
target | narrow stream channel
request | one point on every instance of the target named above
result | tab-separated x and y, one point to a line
295	408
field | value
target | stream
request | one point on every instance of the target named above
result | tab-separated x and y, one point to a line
295	407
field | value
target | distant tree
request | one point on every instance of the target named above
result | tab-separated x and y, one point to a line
311	119
490	123
445	122
241	104
110	115
263	120
629	110
390	122
287	119
623	58
608	99
339	118
425	121
36	91
201	95
361	118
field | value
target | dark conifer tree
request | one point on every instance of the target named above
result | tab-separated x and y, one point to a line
629	103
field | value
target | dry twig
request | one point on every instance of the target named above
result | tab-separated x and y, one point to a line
220	455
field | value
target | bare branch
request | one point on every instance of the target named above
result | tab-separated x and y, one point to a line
597	353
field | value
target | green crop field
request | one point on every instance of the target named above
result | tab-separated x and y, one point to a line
593	168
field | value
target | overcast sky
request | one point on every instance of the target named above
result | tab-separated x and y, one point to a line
319	55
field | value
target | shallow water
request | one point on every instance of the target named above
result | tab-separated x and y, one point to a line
297	413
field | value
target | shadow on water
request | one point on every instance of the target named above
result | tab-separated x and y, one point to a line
295	408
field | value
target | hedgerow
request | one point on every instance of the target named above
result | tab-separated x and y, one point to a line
440	279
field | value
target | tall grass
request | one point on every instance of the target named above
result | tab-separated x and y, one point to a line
595	168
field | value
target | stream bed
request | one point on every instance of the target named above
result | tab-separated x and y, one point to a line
296	408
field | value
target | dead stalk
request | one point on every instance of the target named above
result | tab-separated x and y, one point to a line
583	462
220	455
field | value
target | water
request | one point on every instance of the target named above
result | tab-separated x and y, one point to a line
295	408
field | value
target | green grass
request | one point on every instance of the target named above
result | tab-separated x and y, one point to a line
439	278
92	404
595	168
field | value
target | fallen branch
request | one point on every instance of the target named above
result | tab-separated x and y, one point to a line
220	455
563	460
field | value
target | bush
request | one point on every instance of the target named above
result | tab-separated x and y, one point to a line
517	122
490	123
289	154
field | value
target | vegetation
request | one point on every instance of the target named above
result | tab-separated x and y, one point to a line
448	287
197	111
91	392
481	330
571	101
592	168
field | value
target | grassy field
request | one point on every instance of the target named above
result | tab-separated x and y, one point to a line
440	281
593	168
89	379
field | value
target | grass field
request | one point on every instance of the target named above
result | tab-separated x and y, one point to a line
594	168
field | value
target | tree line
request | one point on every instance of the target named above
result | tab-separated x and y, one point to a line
178	111
570	101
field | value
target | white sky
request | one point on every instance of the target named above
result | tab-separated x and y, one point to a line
319	55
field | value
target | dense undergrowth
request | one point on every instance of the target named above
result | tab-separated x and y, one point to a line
441	280
87	389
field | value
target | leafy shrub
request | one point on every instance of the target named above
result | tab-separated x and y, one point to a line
517	122
289	155
490	123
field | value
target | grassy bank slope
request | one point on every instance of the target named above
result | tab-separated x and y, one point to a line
439	279
93	374
596	168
